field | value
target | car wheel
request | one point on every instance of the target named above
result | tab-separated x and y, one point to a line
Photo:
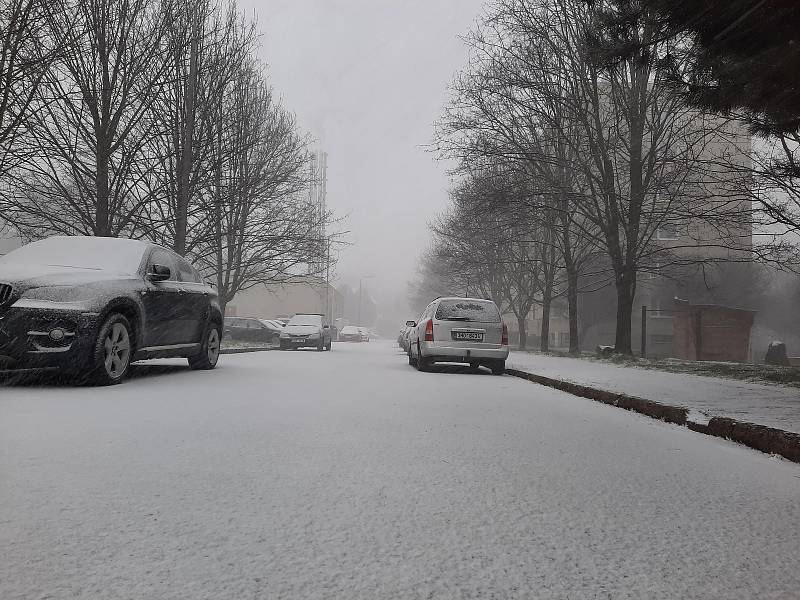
423	364
499	367
209	350
411	360
112	351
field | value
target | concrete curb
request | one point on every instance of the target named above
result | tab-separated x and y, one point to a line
759	437
245	350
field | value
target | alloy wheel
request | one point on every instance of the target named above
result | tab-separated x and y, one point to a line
213	346
117	351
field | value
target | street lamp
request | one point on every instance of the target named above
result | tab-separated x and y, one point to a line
360	294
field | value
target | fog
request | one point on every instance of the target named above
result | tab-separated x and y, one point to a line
368	79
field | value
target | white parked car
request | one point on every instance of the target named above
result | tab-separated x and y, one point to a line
459	330
350	334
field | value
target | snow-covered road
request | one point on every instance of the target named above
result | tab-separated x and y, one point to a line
349	475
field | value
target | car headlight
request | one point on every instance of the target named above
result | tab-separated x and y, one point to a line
56	293
314	335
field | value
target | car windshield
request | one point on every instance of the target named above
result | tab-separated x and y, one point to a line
268	324
468	310
311	320
95	253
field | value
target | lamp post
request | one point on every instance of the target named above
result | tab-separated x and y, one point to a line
360	294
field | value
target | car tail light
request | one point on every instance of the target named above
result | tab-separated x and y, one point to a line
429	330
504	340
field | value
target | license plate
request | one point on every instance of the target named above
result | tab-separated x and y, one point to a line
468	336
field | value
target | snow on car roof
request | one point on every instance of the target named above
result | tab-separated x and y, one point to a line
465	298
120	255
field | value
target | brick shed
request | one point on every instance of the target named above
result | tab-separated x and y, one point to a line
711	332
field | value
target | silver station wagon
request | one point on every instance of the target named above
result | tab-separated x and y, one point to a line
459	330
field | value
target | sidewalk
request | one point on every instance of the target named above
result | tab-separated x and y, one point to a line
772	406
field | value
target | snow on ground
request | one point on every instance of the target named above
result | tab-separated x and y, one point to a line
771	405
347	474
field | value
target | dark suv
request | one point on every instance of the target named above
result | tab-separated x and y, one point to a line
248	329
93	305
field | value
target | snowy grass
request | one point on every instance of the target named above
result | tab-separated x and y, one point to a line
789	376
228	344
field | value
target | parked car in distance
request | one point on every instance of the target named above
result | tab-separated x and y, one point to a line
91	306
459	330
364	332
248	329
350	334
306	330
404	335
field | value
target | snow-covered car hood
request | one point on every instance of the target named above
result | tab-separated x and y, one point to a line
25	276
301	329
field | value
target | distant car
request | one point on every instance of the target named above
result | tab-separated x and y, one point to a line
306	331
459	330
403	337
364	334
93	305
350	334
247	329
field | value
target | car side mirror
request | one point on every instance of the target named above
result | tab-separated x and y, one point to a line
411	323
159	273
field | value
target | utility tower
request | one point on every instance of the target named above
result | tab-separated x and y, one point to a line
318	190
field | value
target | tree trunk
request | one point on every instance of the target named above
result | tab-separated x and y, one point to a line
185	157
572	303
102	209
547	299
523	333
626	292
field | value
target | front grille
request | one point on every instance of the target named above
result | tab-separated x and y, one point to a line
5	293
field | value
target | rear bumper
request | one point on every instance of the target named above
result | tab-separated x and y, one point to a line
300	343
433	352
25	344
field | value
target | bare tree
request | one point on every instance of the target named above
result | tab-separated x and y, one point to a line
25	57
207	44
86	135
257	225
485	244
619	154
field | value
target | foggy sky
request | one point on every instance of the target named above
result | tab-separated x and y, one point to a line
368	78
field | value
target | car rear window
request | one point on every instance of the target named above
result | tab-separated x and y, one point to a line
468	310
305	320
